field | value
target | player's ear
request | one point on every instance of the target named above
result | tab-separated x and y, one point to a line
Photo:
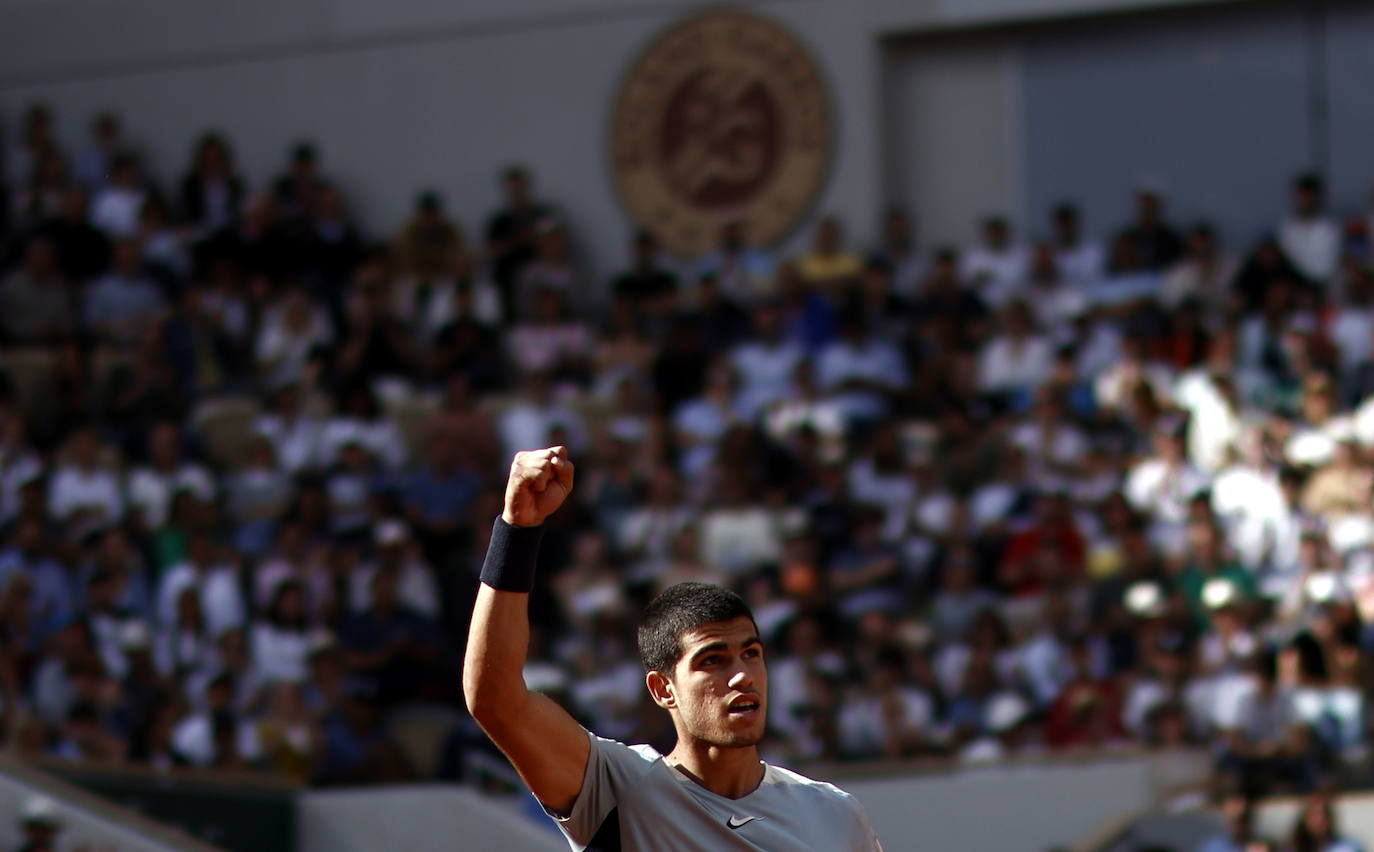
661	689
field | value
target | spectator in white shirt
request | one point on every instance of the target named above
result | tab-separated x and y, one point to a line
281	638
997	266
360	420
1308	237
1017	359
743	272
1203	274
1080	260
291	331
860	370
85	494
294	433
152	486
700	423
531	420
899	252
217	581
1056	298
466	293
1163	485
116	207
766	363
398	554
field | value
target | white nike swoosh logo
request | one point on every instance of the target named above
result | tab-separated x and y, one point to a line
737	822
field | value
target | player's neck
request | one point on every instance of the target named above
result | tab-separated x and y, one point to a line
730	772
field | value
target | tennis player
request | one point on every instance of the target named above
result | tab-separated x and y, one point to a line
704	664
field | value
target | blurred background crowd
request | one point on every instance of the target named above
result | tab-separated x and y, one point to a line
1052	491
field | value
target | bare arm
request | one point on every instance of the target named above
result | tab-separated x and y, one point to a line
545	745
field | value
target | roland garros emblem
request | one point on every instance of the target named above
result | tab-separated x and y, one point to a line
725	116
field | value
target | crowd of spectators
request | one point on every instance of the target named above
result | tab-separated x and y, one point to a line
1037	494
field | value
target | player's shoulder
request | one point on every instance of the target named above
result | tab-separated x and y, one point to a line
800	784
636	757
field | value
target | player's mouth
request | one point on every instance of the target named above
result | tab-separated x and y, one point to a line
743	708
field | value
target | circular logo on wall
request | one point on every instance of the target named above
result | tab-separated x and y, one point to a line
725	116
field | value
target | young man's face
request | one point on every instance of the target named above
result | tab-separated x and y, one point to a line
718	691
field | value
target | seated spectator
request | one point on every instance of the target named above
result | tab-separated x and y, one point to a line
93	161
1163	484
53	595
766	362
742	271
1316	829
510	233
1056	299
150	487
1079	260
533	418
36	305
552	267
1016	359
828	265
1309	238
649	287
901	255
1156	245
996	268
388	642
84	493
217	737
461	292
330	244
258	495
210	570
281	638
1239	834
378	344
399	555
115	207
293	433
1320	426
1341	487
164	248
185	645
549	339
360	420
42	193
212	192
427	242
296	189
1203	273
83	251
1087	712
124	304
860	370
886	717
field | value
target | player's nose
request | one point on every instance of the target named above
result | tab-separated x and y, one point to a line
740	680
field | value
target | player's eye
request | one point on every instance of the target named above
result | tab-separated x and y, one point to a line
751	653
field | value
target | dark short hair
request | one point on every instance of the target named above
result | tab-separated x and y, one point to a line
677	610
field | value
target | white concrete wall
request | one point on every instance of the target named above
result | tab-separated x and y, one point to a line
86	821
416	819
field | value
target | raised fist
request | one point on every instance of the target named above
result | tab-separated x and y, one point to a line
540	480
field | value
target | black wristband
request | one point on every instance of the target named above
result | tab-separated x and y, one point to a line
511	557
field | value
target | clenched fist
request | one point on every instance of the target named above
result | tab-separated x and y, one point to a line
540	480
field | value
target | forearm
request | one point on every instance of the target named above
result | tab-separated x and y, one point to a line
499	636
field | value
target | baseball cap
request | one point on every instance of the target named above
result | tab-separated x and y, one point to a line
40	810
391	532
